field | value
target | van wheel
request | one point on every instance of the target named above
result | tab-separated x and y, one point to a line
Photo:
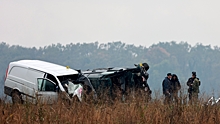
16	97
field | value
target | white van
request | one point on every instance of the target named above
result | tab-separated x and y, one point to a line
35	80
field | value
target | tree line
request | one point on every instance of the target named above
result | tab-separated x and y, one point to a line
179	58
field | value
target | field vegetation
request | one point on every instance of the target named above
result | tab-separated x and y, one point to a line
133	110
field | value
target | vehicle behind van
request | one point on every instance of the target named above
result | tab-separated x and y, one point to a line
40	81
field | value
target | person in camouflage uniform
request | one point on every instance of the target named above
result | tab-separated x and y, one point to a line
193	90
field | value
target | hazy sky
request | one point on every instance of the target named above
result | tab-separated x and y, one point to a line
140	22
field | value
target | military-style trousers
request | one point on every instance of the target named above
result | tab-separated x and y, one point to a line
193	97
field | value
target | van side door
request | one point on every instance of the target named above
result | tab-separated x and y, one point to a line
46	91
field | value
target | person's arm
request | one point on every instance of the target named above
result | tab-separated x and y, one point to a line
189	82
179	86
145	74
145	78
165	86
199	82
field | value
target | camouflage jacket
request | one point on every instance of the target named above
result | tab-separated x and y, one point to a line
193	84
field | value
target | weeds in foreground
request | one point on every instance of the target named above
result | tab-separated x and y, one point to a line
103	112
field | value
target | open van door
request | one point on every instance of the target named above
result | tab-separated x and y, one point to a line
46	91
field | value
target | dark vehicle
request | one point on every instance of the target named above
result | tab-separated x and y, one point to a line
122	82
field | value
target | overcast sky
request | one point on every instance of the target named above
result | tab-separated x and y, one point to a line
140	22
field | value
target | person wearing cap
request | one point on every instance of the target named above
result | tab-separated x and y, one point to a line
193	90
166	84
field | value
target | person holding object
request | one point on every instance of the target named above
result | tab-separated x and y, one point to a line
193	90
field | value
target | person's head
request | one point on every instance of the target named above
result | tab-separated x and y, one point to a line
193	74
146	66
174	77
169	75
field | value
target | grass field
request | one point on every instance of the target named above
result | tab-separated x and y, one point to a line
133	111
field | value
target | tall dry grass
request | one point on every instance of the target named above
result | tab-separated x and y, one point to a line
105	111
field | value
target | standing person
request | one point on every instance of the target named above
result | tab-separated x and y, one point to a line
167	88
193	90
140	78
175	84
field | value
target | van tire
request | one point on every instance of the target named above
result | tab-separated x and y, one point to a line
16	97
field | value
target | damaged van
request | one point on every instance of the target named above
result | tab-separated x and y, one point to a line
127	80
39	81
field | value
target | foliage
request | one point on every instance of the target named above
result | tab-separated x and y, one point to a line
180	58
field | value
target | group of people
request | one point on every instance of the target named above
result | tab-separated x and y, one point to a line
171	86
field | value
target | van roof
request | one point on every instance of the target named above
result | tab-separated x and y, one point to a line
55	69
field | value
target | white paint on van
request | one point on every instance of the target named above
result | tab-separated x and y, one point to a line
22	75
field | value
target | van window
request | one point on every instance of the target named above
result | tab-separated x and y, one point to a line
18	72
52	78
40	81
46	85
32	75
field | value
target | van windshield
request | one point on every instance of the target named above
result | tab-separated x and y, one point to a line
63	78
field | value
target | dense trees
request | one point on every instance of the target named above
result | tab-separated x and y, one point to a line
180	58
